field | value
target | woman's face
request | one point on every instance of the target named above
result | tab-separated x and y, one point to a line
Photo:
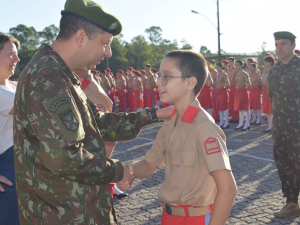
8	59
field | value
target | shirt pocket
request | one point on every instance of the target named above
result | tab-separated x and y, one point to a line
183	173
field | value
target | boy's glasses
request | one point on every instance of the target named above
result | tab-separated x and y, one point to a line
164	79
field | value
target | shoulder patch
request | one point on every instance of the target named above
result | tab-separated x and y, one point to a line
63	100
212	146
69	119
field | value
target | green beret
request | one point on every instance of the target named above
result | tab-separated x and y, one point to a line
283	35
94	13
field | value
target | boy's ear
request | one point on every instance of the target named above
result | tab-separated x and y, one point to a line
192	82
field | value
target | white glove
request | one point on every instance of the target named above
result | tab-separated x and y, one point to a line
141	96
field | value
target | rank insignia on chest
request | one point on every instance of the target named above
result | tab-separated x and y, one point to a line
69	119
282	79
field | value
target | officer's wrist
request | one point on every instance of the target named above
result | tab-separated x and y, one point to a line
152	112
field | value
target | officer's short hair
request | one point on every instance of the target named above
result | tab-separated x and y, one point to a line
232	59
269	59
292	40
6	38
69	25
190	64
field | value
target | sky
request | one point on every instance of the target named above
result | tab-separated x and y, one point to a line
244	24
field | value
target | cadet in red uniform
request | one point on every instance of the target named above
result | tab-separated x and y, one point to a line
130	71
204	96
231	77
242	101
255	90
198	187
156	93
144	81
121	86
150	85
266	103
213	73
222	85
138	91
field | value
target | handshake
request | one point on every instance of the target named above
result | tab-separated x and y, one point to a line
128	177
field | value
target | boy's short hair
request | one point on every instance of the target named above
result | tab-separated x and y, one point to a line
190	64
240	62
232	59
254	65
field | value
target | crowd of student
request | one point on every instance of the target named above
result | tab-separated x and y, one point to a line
233	89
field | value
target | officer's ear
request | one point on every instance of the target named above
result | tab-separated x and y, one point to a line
191	83
80	38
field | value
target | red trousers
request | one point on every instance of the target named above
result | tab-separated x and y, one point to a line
167	219
205	98
127	96
222	99
214	103
151	98
255	98
138	103
234	114
267	106
131	100
241	101
122	100
145	100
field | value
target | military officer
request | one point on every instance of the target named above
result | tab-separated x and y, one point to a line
63	174
284	93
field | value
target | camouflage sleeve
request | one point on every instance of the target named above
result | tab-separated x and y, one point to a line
58	128
122	126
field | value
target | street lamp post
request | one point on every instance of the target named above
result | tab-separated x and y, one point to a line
218	28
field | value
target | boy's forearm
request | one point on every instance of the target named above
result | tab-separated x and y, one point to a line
143	169
222	205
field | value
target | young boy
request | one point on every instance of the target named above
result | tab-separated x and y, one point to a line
198	186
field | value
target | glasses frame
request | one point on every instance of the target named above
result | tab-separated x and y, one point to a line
166	78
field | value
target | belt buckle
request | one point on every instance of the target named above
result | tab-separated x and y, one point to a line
168	209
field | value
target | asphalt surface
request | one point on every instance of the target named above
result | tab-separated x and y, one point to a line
251	156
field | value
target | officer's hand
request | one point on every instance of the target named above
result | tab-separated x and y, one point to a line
5	181
125	184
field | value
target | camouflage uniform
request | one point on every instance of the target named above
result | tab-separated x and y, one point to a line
284	92
62	172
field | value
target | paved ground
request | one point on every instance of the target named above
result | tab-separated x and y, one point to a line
251	157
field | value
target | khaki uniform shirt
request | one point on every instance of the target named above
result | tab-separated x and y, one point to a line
137	84
255	80
213	74
120	83
144	80
190	151
209	80
265	78
63	175
150	84
111	81
222	80
130	81
242	79
231	75
105	84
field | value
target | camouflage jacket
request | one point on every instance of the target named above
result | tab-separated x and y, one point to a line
62	172
284	91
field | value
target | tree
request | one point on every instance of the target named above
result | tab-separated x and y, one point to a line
49	34
185	45
29	41
154	34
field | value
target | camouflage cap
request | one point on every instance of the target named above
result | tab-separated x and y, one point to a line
284	35
94	13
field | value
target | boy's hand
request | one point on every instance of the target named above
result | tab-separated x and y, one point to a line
125	184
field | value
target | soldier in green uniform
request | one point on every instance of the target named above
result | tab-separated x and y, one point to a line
284	92
63	175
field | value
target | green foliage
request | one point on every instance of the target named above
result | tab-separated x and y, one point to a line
49	34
